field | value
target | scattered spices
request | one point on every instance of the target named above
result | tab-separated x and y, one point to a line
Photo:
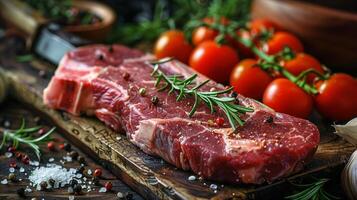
13	164
25	159
77	189
234	94
102	190
8	154
97	172
11	170
108	185
192	178
73	182
142	91
21	192
95	180
74	155
43	185
7	124
41	131
126	76
219	121
4	182
81	169
18	155
129	196
51	146
154	100
12	177
120	195
210	122
67	147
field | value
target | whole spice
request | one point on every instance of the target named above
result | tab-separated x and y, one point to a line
74	155
51	146
142	91
73	182
126	76
81	159
13	164
43	185
51	182
95	180
12	177
81	169
25	159
11	149
219	121
108	186
154	100
97	172
67	147
77	189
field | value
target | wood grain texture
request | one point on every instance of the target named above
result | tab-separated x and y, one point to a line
327	33
14	113
150	176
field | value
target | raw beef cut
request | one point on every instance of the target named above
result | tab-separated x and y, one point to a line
105	81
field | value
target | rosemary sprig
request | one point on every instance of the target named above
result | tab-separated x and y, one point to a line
186	87
312	191
23	135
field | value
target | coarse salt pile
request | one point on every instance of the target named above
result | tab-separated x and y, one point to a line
60	175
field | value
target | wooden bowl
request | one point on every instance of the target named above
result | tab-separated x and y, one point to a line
327	33
98	31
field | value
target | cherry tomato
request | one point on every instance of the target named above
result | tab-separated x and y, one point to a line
204	33
337	98
214	60
280	40
302	62
249	80
284	96
173	44
258	26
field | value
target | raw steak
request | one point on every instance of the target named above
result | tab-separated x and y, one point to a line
105	81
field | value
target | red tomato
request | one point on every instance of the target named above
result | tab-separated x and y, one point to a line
337	98
257	26
303	62
173	44
203	33
280	40
249	80
214	60
284	96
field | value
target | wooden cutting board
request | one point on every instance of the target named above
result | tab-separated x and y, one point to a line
150	176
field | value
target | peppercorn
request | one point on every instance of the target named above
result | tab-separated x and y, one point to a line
220	121
142	91
108	186
73	182
100	57
129	196
51	182
21	192
126	76
97	172
11	149
81	159
43	185
51	146
18	155
77	189
154	100
74	155
25	159
67	147
269	120
12	177
13	164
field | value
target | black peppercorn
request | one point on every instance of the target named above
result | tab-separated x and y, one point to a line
126	76
67	147
73	182
129	196
77	189
51	182
80	169
154	100
269	120
21	192
43	185
74	155
81	159
95	180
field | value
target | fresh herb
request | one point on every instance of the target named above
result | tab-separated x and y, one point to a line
186	87
312	191
24	58
23	135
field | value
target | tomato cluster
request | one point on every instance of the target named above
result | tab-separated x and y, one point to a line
282	88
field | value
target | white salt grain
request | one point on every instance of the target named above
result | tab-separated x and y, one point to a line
4	182
51	160
192	178
34	163
22	169
89	172
60	175
213	187
11	170
102	190
8	154
71	197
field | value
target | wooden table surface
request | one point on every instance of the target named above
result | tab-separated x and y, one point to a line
14	112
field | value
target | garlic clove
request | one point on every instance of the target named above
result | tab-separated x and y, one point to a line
348	131
349	177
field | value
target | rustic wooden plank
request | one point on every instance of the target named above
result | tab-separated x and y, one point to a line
13	112
150	176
